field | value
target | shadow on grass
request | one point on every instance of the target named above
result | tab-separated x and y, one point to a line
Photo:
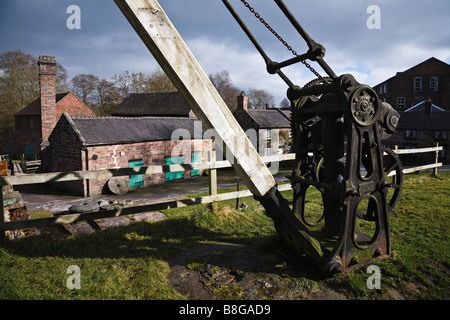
164	240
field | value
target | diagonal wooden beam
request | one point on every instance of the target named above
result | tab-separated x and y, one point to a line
170	51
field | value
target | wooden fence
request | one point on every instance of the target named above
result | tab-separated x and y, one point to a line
66	217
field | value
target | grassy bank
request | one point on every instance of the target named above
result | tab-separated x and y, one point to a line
132	262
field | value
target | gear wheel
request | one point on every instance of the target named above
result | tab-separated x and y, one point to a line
318	81
392	163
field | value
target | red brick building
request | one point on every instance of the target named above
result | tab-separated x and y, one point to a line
421	94
94	143
429	79
35	122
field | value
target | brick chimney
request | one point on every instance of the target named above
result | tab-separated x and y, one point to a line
242	102
47	78
428	106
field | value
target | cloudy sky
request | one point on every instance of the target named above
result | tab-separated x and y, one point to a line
411	32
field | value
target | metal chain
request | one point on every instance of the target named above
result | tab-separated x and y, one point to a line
261	19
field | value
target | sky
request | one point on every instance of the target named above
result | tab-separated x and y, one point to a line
408	32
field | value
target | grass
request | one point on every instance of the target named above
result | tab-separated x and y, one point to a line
132	262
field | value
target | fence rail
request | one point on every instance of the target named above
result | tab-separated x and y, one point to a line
66	217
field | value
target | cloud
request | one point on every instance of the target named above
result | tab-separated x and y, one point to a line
411	32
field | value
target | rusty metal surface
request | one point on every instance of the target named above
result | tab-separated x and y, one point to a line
338	125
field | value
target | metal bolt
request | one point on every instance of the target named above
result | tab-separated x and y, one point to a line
378	252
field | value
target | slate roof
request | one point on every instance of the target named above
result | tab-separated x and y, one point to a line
34	108
420	107
118	130
432	59
270	118
421	121
160	104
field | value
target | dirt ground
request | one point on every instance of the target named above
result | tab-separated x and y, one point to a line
211	271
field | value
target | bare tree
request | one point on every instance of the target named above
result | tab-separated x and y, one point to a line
84	86
158	81
131	82
107	97
285	103
222	82
260	99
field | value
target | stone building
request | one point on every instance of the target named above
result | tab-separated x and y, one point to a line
268	129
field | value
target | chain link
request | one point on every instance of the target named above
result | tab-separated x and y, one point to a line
261	19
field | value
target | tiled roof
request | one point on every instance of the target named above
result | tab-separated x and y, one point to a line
272	118
34	108
118	130
422	121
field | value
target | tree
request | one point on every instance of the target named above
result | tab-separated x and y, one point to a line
84	86
107	97
223	84
285	103
158	81
260	99
19	85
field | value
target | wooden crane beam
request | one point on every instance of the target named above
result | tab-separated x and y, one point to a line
162	39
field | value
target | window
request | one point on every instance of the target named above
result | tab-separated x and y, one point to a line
440	135
434	84
385	88
401	102
417	84
30	123
410	134
381	89
268	134
267	152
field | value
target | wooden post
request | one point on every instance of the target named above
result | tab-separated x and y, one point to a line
213	178
2	218
435	170
237	189
168	48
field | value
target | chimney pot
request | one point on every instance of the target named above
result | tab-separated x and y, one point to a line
428	106
47	78
242	101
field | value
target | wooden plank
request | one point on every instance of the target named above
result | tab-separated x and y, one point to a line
162	39
2	219
424	167
104	173
103	214
418	150
109	173
419	168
